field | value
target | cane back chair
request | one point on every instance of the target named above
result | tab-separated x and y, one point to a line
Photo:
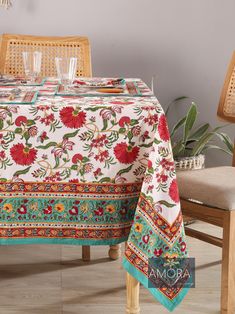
11	48
209	195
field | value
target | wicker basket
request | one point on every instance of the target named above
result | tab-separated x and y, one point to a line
190	163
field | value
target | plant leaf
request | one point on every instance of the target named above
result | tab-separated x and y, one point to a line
226	140
201	143
17	173
178	149
173	102
165	203
124	170
199	132
73	134
218	148
47	145
177	126
190	120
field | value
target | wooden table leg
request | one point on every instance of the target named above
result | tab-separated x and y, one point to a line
115	251
228	265
86	253
133	289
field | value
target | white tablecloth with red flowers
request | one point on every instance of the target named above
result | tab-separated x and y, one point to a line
92	170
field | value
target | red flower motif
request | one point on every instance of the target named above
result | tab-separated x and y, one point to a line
123	121
48	210
74	181
22	210
99	211
23	155
20	120
72	118
126	154
183	246
2	155
174	192
74	211
76	158
150	164
163	129
97	172
158	252
145	239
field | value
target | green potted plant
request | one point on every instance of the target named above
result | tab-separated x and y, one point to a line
189	143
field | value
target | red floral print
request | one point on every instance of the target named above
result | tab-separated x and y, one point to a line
23	155
99	211
158	253
22	210
123	121
163	129
174	192
2	155
20	120
74	211
48	119
126	154
102	156
145	238
48	210
72	118
76	158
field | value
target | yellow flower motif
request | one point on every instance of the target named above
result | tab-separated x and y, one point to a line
170	256
138	227
59	207
110	209
8	207
84	208
34	206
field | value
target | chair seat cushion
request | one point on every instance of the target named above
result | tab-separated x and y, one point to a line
211	186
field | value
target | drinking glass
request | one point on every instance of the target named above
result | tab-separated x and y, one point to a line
66	70
32	64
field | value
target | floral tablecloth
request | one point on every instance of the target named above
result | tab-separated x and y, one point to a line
92	170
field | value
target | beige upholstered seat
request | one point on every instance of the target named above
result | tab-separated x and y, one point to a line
212	186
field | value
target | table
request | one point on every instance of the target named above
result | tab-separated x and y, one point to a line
93	171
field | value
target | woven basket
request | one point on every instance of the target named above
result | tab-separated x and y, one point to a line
190	163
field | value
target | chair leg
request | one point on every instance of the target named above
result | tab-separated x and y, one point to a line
228	265
133	288
86	253
115	251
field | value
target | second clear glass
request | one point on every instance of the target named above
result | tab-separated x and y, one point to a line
66	70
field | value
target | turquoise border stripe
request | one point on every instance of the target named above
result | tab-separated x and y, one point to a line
61	241
170	305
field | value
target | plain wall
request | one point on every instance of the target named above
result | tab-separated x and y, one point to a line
187	44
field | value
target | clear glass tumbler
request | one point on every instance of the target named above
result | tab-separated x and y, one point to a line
66	70
32	64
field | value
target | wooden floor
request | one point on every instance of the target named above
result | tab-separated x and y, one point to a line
52	279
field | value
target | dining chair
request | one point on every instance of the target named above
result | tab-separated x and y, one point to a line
11	48
209	195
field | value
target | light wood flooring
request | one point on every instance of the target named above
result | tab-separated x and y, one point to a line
50	279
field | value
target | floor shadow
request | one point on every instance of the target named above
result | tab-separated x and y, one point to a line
204	266
24	270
